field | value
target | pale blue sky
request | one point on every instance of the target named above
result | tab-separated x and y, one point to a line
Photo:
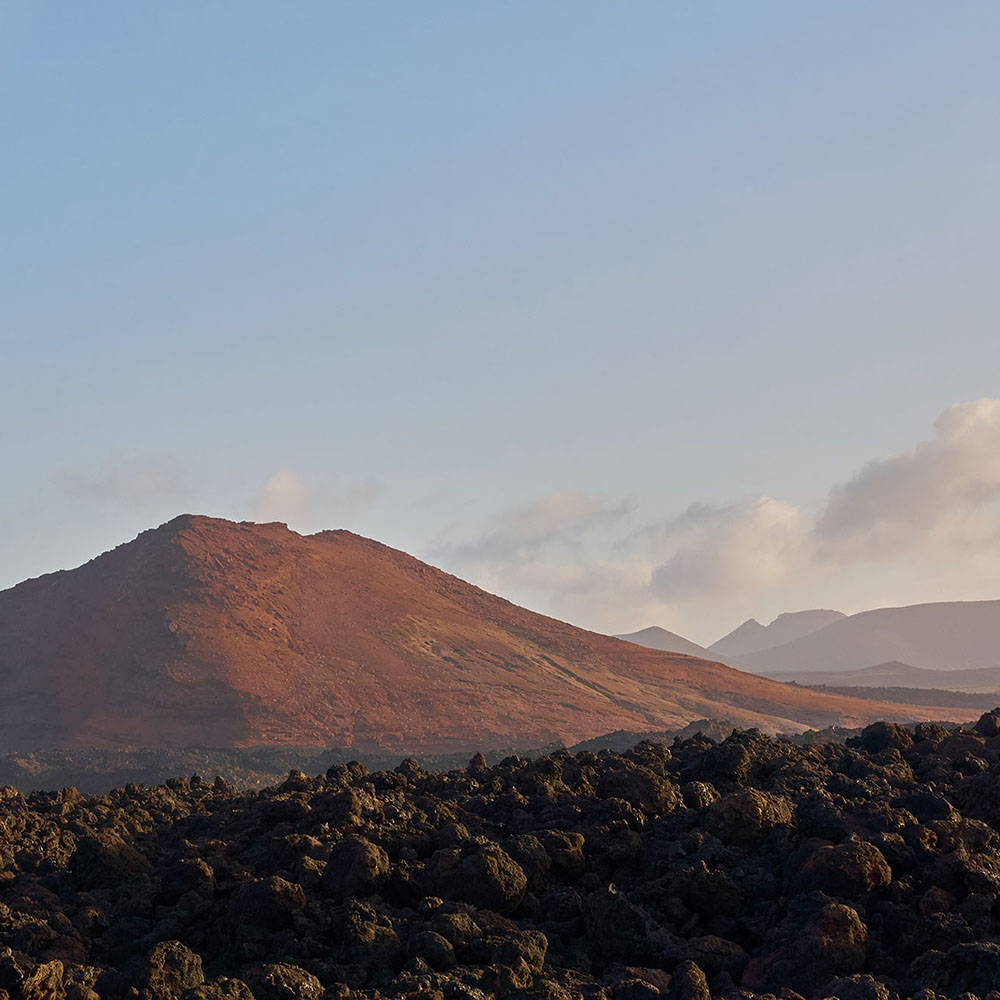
435	264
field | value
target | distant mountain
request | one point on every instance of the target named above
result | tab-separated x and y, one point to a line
655	637
751	636
947	636
896	674
203	632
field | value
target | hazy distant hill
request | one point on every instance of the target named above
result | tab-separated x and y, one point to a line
896	674
751	636
204	632
655	637
947	636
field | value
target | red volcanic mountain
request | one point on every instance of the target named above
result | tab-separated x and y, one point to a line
206	632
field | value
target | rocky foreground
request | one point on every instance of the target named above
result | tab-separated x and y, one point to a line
749	867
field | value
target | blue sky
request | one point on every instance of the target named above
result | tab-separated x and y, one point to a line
521	288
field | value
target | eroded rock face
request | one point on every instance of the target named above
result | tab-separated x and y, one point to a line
749	867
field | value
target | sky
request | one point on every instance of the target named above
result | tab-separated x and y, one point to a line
658	313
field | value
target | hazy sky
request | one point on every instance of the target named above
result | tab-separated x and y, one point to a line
641	313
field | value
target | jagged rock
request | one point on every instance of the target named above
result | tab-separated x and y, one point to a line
268	902
746	817
565	849
104	859
822	870
988	724
858	987
170	968
527	850
44	982
487	877
848	870
220	989
882	735
529	947
830	942
187	875
699	794
278	981
356	867
688	983
711	953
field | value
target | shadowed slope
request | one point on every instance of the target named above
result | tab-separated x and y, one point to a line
208	632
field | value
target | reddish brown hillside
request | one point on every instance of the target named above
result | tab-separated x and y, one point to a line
206	632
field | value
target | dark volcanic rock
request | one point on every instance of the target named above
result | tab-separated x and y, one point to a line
356	867
170	968
488	877
710	871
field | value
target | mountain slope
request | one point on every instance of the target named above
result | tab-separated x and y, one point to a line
206	632
959	635
751	636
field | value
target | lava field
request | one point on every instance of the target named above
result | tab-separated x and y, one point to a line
753	866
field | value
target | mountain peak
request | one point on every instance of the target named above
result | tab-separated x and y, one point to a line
216	633
752	637
938	636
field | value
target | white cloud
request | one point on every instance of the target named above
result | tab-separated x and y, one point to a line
941	496
541	552
286	497
932	513
283	497
519	534
728	550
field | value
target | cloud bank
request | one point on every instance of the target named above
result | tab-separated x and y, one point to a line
931	513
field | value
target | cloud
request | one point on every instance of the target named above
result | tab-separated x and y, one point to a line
537	548
132	482
520	533
940	495
728	550
283	497
932	513
286	497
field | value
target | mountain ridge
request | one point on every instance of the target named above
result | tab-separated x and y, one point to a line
751	636
211	632
942	635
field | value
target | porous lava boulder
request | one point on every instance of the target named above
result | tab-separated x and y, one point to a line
356	867
688	982
745	818
564	849
280	981
641	788
170	968
44	982
882	735
105	859
858	987
268	902
830	942
486	876
849	870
